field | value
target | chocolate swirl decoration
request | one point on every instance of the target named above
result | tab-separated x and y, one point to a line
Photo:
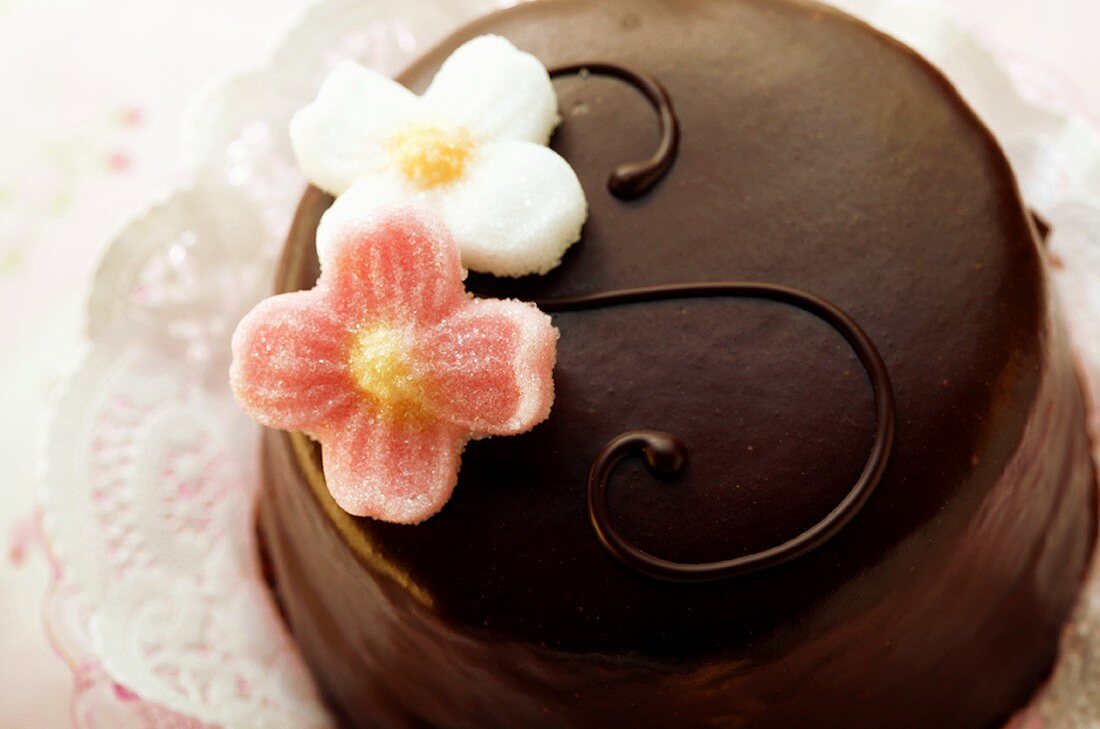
631	180
665	455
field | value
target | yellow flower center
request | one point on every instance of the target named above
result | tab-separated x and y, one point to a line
430	156
381	365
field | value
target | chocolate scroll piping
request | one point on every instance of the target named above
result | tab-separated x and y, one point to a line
631	180
665	455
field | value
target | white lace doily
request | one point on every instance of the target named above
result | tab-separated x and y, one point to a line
150	472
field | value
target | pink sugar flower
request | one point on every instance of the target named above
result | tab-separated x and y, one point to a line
392	366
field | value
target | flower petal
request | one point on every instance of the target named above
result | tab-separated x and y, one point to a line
340	136
489	367
495	91
517	212
289	364
391	469
369	195
398	265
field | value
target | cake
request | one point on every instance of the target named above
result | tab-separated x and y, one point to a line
814	153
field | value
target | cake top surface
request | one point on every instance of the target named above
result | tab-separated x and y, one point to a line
815	153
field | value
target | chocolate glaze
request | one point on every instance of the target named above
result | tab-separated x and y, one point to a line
817	153
666	455
633	179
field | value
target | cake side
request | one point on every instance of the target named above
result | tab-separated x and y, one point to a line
385	657
819	154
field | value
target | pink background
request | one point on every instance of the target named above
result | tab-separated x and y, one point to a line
94	99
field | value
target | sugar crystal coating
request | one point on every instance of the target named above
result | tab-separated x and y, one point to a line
471	148
392	366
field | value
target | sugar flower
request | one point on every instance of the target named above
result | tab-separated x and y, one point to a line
392	366
471	149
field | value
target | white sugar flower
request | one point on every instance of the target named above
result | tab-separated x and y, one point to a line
471	149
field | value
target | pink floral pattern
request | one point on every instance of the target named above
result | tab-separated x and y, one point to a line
392	366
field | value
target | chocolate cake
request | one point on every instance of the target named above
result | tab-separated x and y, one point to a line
814	153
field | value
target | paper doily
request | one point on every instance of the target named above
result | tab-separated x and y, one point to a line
150	471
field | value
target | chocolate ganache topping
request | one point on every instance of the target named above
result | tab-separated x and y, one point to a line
666	455
816	153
